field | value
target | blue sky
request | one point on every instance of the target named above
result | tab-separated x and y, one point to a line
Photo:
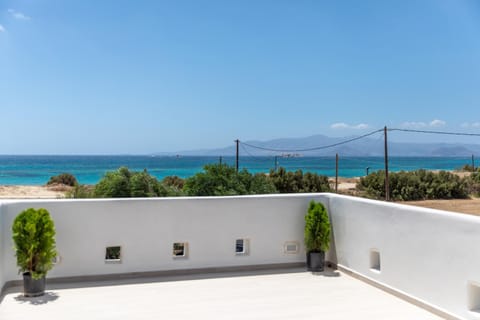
106	77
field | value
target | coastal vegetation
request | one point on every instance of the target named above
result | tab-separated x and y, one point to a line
224	180
415	185
66	179
215	180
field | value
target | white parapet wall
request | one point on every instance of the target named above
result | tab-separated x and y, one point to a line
429	255
2	245
146	230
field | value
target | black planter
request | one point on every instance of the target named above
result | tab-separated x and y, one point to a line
315	261
33	287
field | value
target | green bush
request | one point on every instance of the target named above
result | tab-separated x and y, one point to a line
216	180
115	184
223	180
414	185
317	228
81	191
173	181
124	183
473	183
295	182
34	242
64	178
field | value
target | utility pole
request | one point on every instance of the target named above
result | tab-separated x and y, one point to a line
473	163
336	173
387	187
276	163
236	158
220	160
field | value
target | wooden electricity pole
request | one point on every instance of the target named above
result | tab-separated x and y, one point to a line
236	158
387	187
336	173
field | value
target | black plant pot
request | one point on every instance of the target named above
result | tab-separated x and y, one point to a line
315	261
33	287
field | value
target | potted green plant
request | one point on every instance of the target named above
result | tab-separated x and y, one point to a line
317	235
34	243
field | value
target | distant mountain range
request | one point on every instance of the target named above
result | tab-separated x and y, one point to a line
366	147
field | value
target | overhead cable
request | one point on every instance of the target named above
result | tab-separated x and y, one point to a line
314	148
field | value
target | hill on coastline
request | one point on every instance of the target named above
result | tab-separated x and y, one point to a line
366	147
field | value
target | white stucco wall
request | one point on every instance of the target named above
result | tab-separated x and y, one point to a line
428	254
147	228
2	244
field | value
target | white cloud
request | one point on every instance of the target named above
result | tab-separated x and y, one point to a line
2	29
339	125
437	123
421	124
471	125
18	15
343	125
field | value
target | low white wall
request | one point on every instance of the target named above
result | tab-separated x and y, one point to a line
429	254
2	245
147	228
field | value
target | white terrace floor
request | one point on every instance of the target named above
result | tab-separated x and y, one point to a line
287	294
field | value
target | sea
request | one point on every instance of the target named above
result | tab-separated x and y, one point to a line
89	169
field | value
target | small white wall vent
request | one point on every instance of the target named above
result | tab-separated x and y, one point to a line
180	249
113	254
375	260
474	297
291	247
242	247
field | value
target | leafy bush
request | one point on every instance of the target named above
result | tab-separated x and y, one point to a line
294	182
216	180
317	228
173	181
473	183
222	180
115	184
414	185
64	178
34	241
123	184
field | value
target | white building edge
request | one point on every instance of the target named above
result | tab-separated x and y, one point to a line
428	257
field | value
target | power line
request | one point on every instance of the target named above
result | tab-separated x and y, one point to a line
437	132
314	148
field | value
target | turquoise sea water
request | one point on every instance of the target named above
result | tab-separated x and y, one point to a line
36	170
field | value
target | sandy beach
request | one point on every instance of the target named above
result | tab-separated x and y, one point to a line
31	192
56	192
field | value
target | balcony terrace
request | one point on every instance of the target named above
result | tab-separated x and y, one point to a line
394	261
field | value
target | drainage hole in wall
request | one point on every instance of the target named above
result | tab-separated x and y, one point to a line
375	260
179	249
241	247
113	254
474	297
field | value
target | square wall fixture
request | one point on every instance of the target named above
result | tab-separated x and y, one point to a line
291	247
242	247
474	297
180	249
113	254
375	260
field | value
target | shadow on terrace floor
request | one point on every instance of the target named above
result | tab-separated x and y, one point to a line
127	279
